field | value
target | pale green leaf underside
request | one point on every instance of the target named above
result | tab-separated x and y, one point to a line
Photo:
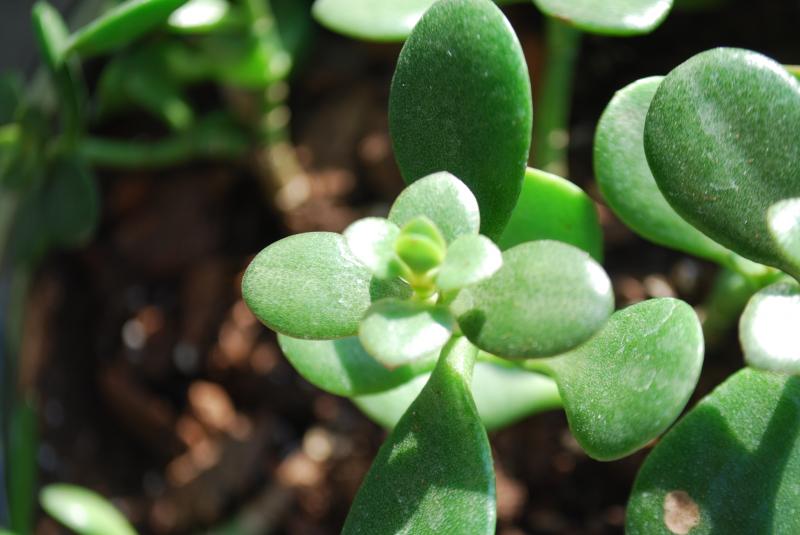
396	332
547	298
503	395
343	367
84	511
769	328
627	384
470	259
721	141
784	225
311	286
610	17
553	208
386	20
443	199
732	464
434	473
371	240
628	185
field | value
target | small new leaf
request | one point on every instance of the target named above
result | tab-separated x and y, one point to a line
371	240
470	259
769	331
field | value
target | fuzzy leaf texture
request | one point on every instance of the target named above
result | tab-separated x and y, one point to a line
469	260
731	465
461	102
434	473
768	328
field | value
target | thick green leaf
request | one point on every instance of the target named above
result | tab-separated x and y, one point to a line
503	395
200	16
470	259
343	367
784	225
547	298
721	140
311	286
769	331
71	202
434	473
121	25
462	104
626	385
552	208
732	465
83	511
396	332
628	185
51	33
371	240
611	17
387	20
420	245
443	199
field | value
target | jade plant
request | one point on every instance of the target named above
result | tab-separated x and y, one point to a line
707	160
464	292
565	21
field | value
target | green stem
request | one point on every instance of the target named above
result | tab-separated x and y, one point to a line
551	117
459	357
539	366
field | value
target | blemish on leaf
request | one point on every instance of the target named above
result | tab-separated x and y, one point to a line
681	513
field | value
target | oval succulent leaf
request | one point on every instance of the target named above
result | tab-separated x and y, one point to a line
343	367
443	199
371	240
612	17
768	328
311	286
419	482
470	259
784	224
721	140
628	185
396	332
625	386
730	466
387	20
445	69
547	298
83	511
553	208
51	33
121	25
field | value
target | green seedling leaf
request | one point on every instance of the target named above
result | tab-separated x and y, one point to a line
121	25
444	70
343	367
71	202
784	223
552	208
369	20
470	259
625	386
420	246
503	395
768	328
721	140
613	17
311	286
371	240
628	185
547	298
51	33
396	332
200	16
420	482
83	511
444	200
730	466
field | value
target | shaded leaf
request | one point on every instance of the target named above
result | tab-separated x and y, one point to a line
396	332
71	202
547	298
443	199
447	113
625	386
419	482
721	140
343	367
553	208
470	259
371	240
730	466
627	183
612	17
784	225
311	286
768	328
83	511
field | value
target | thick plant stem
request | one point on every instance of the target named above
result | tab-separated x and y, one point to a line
459	357
551	115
